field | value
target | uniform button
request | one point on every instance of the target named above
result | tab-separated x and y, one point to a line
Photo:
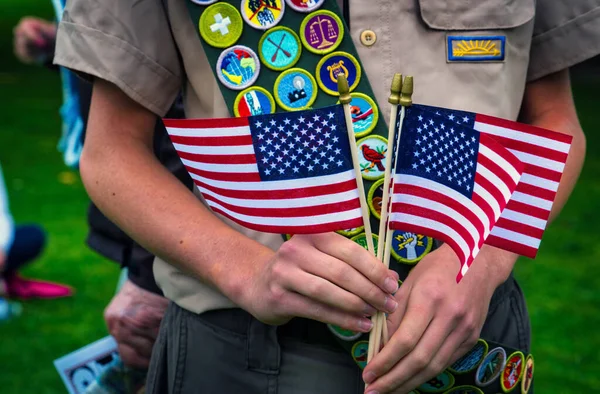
368	37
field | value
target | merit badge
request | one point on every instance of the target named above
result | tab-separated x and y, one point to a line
343	334
491	367
371	156
439	384
365	114
410	248
321	32
351	232
263	14
471	360
254	101
361	239
359	353
204	2
334	64
476	48
375	198
304	5
464	390
238	67
279	48
221	25
295	89
527	375
512	371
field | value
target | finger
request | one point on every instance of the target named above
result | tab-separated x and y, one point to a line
416	363
143	346
346	277
393	319
418	316
358	258
302	306
131	358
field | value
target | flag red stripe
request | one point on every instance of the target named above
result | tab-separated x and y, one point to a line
543	172
485	207
226	176
536	191
528	209
494	146
512	246
492	189
496	170
312	191
238	140
532	149
525	128
520	228
205	123
218	159
312	229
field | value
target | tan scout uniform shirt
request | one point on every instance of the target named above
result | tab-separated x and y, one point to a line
151	51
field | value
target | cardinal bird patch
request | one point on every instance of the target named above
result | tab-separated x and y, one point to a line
372	151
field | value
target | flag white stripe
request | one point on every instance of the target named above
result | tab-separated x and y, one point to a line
235	131
495	180
216	150
539	182
516	237
222	168
539	161
291	221
279	185
287	203
522	137
531	200
524	218
500	161
489	199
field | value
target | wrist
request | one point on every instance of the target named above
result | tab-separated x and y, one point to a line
494	264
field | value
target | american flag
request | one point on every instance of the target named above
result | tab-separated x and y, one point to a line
450	182
282	173
544	153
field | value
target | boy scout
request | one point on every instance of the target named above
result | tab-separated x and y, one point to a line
230	285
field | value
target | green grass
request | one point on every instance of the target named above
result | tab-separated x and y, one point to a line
561	285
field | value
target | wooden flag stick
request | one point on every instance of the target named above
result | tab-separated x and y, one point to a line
405	101
345	100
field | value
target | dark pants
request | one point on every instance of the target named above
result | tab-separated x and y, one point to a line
27	244
230	352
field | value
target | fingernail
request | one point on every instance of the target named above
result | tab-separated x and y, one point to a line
365	325
390	304
396	275
368	378
370	310
390	285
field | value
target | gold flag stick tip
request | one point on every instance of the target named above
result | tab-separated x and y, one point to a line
343	89
407	92
395	90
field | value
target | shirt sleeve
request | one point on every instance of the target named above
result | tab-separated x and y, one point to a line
128	43
566	32
6	220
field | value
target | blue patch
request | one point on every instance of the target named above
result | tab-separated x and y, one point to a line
476	48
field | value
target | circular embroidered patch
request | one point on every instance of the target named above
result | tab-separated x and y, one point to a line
221	25
288	236
343	334
471	360
262	14
361	239
527	375
254	101
322	32
279	48
464	390
351	232
439	384
360	352
238	67
410	248
375	198
372	151
295	89
513	371
491	367
304	5
204	2
365	114
334	64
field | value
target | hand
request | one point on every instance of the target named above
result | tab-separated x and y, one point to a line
323	277
437	320
133	318
34	40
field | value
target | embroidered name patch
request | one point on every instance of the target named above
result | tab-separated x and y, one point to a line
476	48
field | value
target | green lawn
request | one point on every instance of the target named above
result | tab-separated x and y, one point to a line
560	284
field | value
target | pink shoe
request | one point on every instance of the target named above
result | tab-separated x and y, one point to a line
19	287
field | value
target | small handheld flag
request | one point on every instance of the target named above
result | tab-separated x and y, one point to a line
451	182
281	173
